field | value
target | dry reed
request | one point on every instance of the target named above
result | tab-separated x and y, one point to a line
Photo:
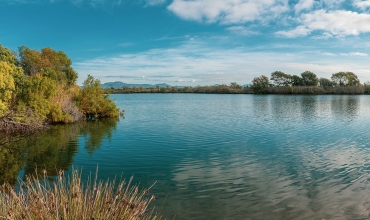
68	198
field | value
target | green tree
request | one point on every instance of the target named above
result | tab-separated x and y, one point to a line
234	85
7	86
340	78
309	79
7	56
39	94
297	81
31	61
281	79
61	64
49	63
353	79
345	79
93	102
11	78
324	82
260	84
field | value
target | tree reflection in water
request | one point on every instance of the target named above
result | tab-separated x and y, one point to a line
50	150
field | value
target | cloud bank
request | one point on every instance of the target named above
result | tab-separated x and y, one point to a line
198	63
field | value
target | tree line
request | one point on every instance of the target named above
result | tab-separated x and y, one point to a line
279	83
232	88
39	87
308	82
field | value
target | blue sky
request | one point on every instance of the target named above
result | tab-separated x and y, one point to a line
194	42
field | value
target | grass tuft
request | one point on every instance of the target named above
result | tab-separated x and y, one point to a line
68	198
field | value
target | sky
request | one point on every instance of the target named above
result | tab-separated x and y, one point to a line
194	42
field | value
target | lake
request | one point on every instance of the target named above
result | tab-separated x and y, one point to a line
221	156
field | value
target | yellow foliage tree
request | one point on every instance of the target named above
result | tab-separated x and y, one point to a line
7	86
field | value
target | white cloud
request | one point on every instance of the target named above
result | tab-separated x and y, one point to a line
362	4
297	32
358	54
228	11
337	23
241	30
303	5
328	54
322	18
186	80
324	36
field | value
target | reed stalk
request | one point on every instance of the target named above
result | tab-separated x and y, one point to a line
68	198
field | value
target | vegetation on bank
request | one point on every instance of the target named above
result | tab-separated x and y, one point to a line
279	83
309	83
68	198
233	88
39	87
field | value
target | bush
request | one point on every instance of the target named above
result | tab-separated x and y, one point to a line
93	102
70	199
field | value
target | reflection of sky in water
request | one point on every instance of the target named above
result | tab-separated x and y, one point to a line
240	156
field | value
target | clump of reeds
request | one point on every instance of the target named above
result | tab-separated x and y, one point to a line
68	198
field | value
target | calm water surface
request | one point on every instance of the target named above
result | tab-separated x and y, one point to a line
222	156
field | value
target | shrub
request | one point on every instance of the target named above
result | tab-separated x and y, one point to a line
70	199
93	102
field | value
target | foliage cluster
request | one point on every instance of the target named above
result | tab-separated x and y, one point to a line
308	83
38	87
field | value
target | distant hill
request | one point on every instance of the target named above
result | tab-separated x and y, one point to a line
119	85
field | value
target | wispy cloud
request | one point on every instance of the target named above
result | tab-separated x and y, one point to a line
297	32
228	11
303	5
328	54
241	30
355	54
155	2
97	3
127	44
166	38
